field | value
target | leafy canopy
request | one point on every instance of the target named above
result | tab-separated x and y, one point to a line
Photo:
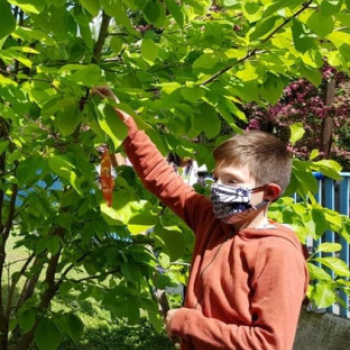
183	69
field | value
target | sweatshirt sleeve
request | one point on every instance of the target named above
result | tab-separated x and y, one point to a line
279	287
160	178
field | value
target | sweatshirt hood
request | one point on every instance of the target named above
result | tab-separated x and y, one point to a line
272	230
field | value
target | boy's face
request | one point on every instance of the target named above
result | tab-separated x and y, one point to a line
238	177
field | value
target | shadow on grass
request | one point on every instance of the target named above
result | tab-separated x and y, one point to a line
123	337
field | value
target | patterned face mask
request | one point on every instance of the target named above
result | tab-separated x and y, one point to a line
230	204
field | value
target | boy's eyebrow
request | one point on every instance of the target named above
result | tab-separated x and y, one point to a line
228	173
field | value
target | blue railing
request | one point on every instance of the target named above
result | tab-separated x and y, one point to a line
335	195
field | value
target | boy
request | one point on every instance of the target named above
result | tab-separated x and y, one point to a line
248	276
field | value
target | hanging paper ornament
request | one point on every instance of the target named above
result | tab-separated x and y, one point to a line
107	182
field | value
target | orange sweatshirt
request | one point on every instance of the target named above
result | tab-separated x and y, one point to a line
245	289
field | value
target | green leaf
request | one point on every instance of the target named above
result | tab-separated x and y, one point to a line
207	121
313	75
272	89
63	167
173	239
154	12
153	313
193	94
116	44
297	131
339	38
206	61
88	75
31	6
280	4
314	154
338	266
53	245
252	11
328	247
317	273
68	119
347	2
129	309
149	50
29	170
229	3
320	24
249	72
176	11
27	319
3	146
302	39
164	260
319	219
93	6
195	3
328	167
131	271
331	7
333	218
72	326
47	335
323	295
8	21
263	27
111	124
124	207
116	9
141	223
232	107
306	181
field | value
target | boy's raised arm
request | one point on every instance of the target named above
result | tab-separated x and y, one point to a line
155	173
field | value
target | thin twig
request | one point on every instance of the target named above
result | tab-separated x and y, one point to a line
93	277
255	51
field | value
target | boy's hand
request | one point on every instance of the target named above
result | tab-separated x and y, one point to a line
106	92
169	316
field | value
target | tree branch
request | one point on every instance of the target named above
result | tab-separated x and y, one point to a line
217	74
48	294
286	21
15	281
70	267
254	52
20	23
101	37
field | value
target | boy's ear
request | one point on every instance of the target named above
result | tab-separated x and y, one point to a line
272	192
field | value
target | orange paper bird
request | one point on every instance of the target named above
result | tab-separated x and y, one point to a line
107	182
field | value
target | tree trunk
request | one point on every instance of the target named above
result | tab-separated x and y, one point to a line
327	122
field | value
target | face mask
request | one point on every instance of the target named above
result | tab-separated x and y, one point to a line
232	204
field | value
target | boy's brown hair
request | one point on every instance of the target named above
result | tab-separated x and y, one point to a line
267	157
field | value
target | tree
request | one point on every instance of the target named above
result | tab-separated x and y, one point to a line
180	68
323	112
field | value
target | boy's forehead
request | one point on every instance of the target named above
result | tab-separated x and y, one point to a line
233	170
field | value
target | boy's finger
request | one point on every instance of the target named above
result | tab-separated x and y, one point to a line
96	92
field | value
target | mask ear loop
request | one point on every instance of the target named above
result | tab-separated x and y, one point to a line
247	212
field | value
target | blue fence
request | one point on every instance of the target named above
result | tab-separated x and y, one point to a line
335	195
